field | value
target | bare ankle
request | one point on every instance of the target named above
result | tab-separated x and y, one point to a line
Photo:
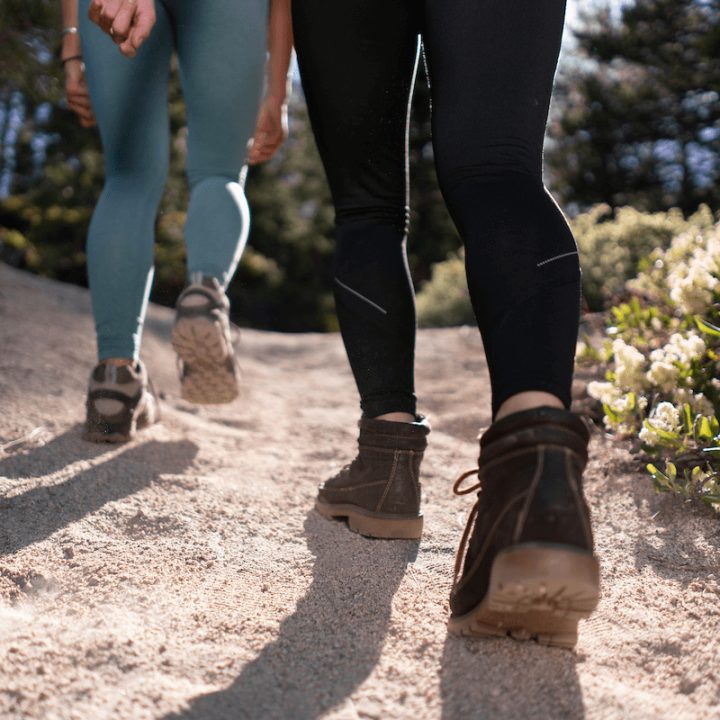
118	362
528	401
396	417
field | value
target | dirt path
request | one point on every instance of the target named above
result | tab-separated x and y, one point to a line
186	576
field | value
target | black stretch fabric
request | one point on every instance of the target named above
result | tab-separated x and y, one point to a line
491	66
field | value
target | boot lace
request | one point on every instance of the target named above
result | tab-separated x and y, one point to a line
458	489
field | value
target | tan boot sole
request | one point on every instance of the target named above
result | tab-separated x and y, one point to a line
372	524
537	591
201	344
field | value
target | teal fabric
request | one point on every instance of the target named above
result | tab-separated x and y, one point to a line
221	48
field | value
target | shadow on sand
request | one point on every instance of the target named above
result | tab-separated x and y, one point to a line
494	678
332	641
61	451
36	514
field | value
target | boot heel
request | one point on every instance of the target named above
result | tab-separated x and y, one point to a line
377	525
537	592
99	430
547	578
387	528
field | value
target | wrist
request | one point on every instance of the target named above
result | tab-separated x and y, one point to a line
70	46
276	99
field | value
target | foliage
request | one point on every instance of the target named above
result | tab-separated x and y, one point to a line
663	351
28	32
637	112
613	245
444	300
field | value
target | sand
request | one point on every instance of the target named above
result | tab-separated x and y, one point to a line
186	575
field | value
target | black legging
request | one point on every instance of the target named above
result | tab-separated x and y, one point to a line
491	66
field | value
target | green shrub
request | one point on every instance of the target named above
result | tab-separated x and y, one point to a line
613	246
444	300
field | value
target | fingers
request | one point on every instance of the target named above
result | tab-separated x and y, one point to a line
254	156
103	12
85	115
94	11
78	101
269	134
143	23
123	21
82	108
264	147
77	95
126	21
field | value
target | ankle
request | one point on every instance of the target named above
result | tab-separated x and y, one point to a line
528	401
119	362
396	417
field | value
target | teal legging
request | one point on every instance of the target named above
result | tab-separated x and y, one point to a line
221	46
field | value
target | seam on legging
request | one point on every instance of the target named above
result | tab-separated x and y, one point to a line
362	297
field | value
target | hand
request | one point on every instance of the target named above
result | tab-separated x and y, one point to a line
127	22
76	92
270	131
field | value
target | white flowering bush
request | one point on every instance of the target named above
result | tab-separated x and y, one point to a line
614	245
662	385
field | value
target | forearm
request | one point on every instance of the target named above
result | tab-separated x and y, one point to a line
280	44
70	41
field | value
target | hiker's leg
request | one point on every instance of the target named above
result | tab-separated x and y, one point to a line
492	67
527	567
129	97
356	60
221	49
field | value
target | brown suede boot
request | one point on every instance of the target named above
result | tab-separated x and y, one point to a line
379	492
529	570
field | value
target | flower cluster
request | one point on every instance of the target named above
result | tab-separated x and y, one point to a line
614	245
663	351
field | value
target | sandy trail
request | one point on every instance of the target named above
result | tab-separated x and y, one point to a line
185	575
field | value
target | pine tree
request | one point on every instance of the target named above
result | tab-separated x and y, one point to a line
637	119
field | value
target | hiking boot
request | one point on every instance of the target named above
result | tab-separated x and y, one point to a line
529	570
379	492
201	338
120	400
